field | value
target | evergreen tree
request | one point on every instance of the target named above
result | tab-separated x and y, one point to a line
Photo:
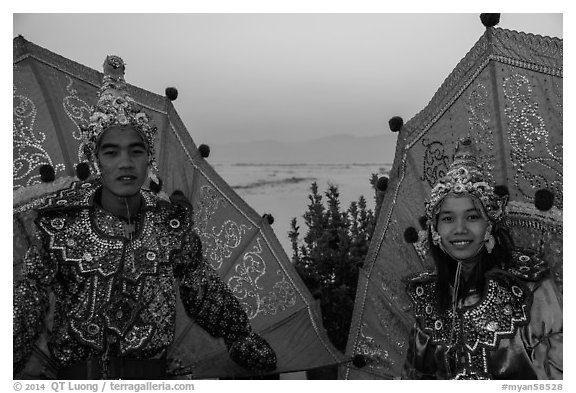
293	236
332	251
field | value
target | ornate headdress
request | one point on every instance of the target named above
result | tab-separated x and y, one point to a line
465	177
116	107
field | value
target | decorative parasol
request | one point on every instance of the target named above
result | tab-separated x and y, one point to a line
52	95
506	94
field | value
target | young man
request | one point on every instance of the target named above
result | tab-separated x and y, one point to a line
112	255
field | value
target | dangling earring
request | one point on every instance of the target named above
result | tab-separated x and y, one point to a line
489	239
490	242
436	238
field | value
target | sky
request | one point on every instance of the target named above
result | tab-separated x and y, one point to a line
278	76
281	76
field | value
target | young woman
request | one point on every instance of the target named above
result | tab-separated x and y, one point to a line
489	311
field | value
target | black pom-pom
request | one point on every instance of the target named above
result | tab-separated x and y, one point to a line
204	150
83	171
359	361
156	187
47	174
395	123
382	184
423	221
411	235
501	190
543	200
268	218
171	93
490	20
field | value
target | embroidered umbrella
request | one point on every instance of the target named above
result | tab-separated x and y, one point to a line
506	94
52	96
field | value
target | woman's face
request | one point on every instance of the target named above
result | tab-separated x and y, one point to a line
461	226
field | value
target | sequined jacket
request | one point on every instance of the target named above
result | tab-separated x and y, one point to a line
115	293
510	330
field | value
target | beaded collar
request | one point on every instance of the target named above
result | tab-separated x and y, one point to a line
504	307
81	195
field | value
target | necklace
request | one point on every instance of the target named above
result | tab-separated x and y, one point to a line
128	228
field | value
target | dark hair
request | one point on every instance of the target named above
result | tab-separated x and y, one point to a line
446	267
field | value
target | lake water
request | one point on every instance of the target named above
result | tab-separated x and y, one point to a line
282	189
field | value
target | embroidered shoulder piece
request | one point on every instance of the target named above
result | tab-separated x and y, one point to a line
421	289
503	308
528	265
77	195
78	188
80	195
179	216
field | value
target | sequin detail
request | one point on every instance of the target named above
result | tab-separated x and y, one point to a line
475	330
29	150
122	289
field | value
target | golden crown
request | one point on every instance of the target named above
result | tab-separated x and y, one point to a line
465	177
115	107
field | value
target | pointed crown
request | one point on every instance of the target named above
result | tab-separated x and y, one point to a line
464	178
115	107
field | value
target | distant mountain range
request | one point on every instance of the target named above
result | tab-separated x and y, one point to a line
332	149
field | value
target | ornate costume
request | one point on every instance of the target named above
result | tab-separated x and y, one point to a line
115	293
511	329
98	292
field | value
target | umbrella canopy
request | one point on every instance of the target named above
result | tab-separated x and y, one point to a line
506	94
52	95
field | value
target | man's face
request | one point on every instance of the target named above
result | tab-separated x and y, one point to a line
123	158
